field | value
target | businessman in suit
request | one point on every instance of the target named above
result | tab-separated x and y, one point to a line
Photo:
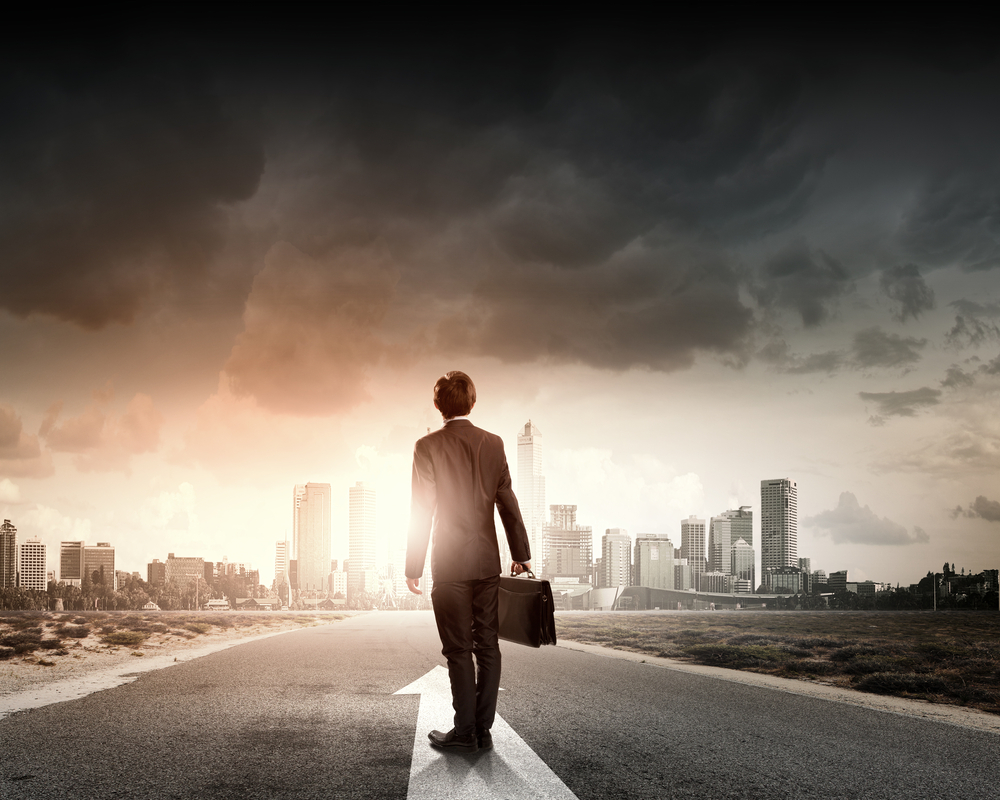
459	475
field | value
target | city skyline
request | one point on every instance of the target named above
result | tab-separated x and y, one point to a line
695	265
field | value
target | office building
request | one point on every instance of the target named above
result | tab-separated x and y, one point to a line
567	548
8	555
156	573
715	582
31	567
742	563
783	580
184	571
99	564
693	543
616	559
530	490
779	524
653	561
720	543
361	540
740	524
282	555
312	527
71	562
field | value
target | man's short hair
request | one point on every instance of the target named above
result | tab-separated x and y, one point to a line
454	395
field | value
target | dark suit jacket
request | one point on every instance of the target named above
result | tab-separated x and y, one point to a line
459	474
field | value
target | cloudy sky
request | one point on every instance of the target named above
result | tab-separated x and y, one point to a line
694	259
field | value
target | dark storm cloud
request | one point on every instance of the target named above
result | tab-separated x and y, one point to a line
981	508
852	523
956	378
803	281
955	219
113	183
21	454
873	347
576	197
973	324
777	354
900	404
906	286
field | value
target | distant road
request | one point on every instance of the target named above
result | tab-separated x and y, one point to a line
315	714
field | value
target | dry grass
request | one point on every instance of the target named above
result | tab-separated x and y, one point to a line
949	657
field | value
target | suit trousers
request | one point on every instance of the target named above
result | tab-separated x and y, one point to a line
468	621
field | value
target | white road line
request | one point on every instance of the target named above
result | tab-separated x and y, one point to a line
511	770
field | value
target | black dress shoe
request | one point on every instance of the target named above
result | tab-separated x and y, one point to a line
485	740
456	744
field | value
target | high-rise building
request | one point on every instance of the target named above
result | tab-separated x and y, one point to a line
99	560
71	562
281	559
693	543
779	524
156	572
720	543
616	559
8	555
361	539
311	525
184	571
740	524
31	567
298	492
530	489
653	562
567	548
742	561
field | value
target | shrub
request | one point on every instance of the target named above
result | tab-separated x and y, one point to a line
125	638
80	621
736	657
76	631
158	627
898	682
853	651
51	644
867	665
6	653
813	642
26	647
811	666
198	627
22	638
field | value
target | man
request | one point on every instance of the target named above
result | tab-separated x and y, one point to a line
459	474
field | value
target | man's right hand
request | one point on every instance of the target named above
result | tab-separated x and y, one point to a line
412	584
517	567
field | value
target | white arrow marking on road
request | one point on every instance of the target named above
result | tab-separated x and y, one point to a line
511	770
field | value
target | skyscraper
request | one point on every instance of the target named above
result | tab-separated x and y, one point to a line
298	492
567	548
741	524
616	558
31	566
8	555
779	524
654	561
71	562
100	559
311	523
530	490
281	558
720	538
693	543
361	539
742	560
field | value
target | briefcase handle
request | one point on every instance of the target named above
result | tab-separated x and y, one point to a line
527	573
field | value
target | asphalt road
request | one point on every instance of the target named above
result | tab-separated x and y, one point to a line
313	714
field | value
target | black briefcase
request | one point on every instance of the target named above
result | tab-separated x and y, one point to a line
527	611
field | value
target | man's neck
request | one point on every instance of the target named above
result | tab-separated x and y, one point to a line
452	419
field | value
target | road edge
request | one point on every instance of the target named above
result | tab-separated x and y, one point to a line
950	715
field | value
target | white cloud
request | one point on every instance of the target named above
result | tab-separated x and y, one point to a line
857	524
9	492
175	511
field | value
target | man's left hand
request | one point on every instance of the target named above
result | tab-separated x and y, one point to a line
412	584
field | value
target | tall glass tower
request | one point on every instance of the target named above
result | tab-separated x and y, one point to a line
530	490
361	539
311	524
779	524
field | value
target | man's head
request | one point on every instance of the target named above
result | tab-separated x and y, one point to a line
454	395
